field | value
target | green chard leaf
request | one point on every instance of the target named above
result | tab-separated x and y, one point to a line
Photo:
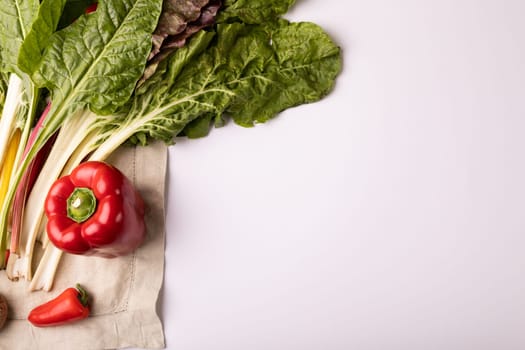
287	65
301	68
248	72
149	112
96	61
37	39
253	12
16	17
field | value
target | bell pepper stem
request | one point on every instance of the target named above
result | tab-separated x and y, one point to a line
81	204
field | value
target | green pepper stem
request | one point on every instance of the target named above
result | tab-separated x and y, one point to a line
81	204
82	295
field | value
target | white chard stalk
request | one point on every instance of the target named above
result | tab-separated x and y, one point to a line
19	265
12	104
45	273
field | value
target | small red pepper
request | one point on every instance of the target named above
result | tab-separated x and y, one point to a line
95	211
71	305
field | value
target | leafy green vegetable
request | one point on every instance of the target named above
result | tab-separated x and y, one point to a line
252	11
17	17
282	66
37	39
299	64
249	72
97	60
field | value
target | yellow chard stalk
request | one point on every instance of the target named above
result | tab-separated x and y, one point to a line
7	166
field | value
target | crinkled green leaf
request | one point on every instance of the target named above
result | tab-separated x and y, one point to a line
250	72
150	107
253	11
95	62
37	39
301	68
98	59
16	17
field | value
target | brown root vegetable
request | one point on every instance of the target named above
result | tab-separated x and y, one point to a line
3	311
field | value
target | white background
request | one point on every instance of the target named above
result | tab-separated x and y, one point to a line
390	215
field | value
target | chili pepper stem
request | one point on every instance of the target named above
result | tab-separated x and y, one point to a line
82	295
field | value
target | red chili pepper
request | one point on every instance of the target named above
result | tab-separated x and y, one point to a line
95	211
71	305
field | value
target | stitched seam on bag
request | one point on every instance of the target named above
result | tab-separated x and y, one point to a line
134	256
124	307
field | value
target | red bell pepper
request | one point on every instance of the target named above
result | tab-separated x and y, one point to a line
71	305
95	211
